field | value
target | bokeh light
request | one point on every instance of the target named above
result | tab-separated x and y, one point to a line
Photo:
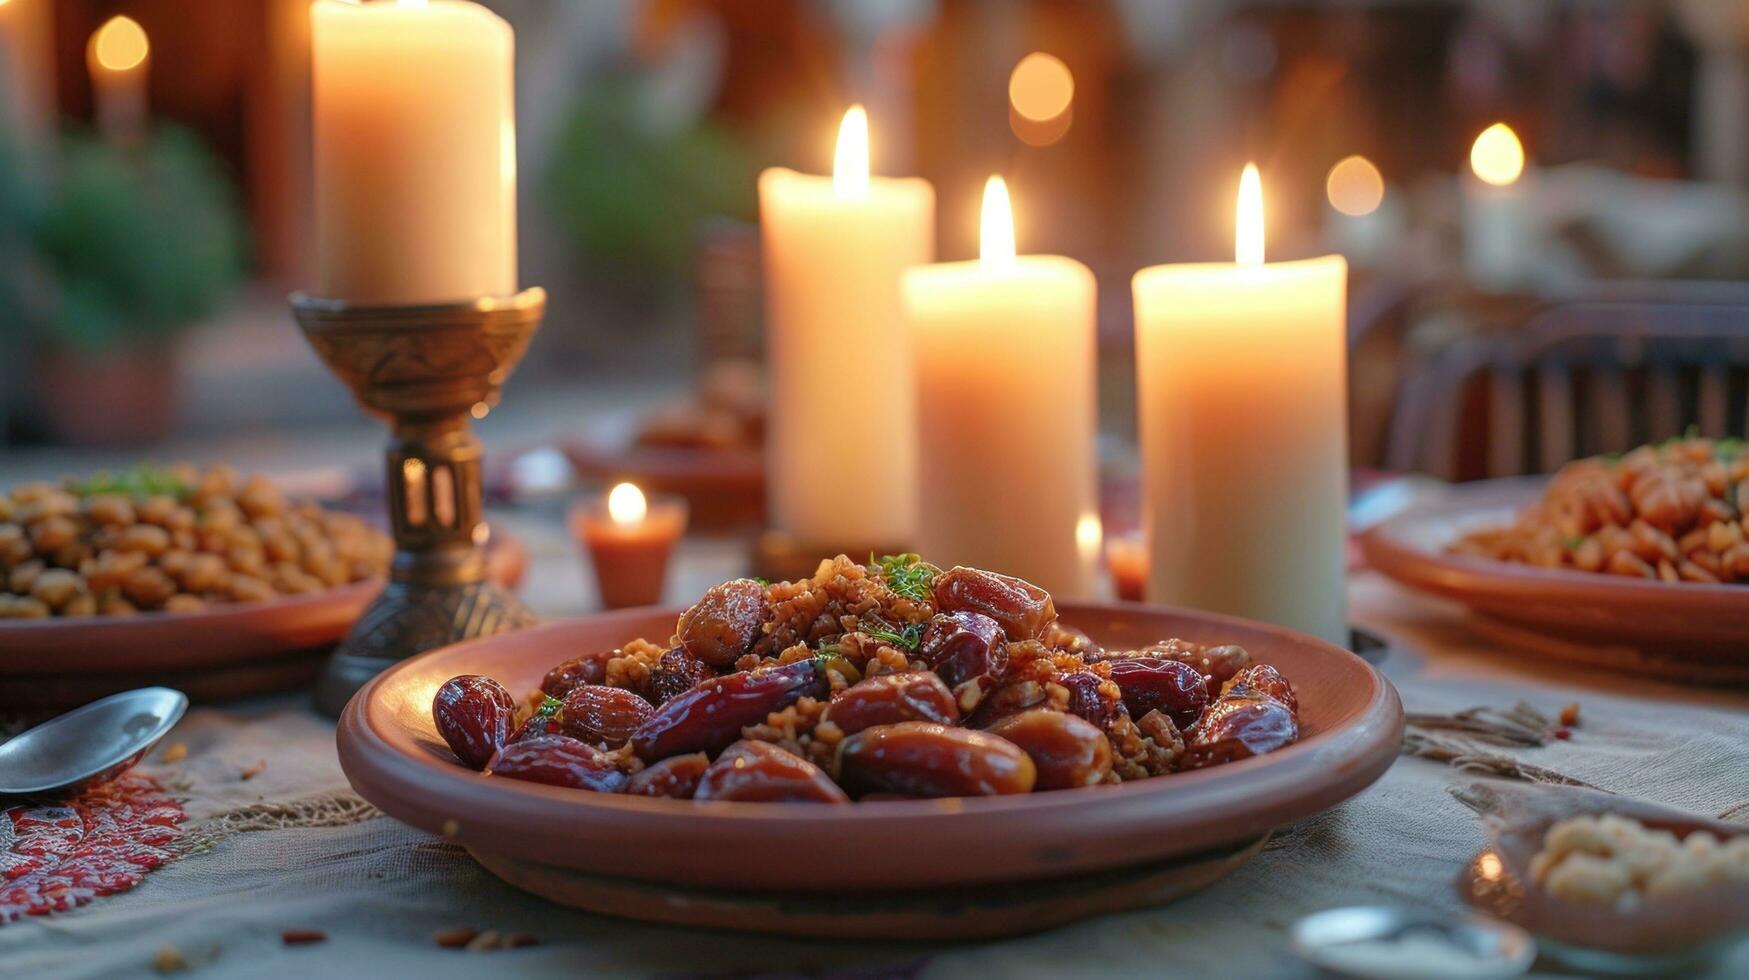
1355	186
1497	157
120	44
1041	87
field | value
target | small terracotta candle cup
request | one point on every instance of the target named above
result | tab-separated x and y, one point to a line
629	539
1127	558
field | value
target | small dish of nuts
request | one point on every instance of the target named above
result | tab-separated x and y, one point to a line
174	539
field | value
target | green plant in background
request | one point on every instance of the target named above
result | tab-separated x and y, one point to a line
631	194
126	246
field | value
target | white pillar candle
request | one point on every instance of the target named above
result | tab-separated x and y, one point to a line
415	149
1241	383
27	67
118	58
1500	241
841	454
1007	411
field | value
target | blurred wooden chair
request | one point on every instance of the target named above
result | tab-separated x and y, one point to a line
1624	365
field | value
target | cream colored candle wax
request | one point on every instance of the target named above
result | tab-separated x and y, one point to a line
1241	378
841	454
1007	412
415	150
118	58
27	67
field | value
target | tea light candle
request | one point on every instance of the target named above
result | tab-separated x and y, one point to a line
629	540
841	449
1241	383
1005	389
118	58
415	151
1127	558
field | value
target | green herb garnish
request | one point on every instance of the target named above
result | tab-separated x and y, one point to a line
142	480
907	575
1574	542
909	636
549	707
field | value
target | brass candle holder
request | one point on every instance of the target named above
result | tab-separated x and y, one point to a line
427	370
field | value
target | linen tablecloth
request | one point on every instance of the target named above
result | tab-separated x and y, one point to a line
287	849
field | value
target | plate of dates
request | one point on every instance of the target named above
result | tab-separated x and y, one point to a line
894	729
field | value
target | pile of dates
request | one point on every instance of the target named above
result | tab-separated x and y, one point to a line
965	720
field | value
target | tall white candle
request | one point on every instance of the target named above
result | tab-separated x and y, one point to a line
1241	377
118	58
27	67
1007	410
1499	232
415	149
841	451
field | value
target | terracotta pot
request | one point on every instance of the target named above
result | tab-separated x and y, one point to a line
125	396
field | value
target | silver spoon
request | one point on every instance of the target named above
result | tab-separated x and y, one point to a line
1389	943
88	745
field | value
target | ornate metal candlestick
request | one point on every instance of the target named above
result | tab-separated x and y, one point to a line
427	370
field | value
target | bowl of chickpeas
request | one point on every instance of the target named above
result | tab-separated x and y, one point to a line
1635	562
198	577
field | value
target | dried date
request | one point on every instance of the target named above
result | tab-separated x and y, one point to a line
676	673
591	668
604	715
963	646
1088	700
722	626
921	758
1009	699
473	714
1067	751
1238	726
1149	683
760	772
676	778
710	716
1023	610
892	698
1265	680
559	760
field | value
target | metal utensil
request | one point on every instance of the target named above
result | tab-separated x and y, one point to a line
1402	944
90	744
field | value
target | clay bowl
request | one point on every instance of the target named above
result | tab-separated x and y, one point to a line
1671	630
764	866
1659	934
222	651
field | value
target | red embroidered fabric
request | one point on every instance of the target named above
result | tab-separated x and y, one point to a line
58	856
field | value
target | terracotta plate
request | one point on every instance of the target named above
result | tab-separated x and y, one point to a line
223	651
390	750
1673	630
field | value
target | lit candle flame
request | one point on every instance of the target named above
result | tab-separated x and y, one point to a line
625	504
996	227
1497	157
850	165
120	44
1248	227
1089	535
